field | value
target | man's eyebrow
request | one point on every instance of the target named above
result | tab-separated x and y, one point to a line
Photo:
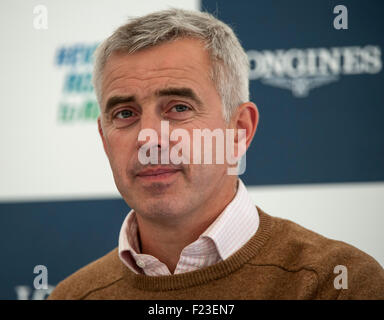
115	100
182	92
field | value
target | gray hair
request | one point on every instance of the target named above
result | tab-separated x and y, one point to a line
229	62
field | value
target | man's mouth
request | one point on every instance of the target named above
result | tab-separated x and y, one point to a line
157	174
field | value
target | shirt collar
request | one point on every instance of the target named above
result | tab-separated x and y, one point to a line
235	225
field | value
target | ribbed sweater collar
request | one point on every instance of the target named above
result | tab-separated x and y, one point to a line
205	275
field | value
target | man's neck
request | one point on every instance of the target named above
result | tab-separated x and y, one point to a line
166	242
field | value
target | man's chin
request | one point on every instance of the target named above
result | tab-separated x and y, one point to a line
165	209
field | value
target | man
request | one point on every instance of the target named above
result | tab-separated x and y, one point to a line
193	232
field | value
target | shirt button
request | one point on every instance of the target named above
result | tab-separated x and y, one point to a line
140	263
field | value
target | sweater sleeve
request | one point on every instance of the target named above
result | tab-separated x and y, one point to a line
365	278
347	273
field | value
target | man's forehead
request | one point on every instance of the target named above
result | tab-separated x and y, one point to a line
176	56
157	68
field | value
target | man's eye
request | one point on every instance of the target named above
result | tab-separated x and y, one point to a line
124	114
180	108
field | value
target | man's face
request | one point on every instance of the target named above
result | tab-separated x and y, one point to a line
169	82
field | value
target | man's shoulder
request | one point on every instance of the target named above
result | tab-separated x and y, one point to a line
97	274
295	248
307	247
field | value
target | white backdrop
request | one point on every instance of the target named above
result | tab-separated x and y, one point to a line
41	157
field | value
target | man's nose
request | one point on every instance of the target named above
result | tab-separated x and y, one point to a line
155	129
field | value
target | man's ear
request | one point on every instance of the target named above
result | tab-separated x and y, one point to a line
245	117
101	132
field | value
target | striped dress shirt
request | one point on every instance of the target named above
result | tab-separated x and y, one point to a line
237	223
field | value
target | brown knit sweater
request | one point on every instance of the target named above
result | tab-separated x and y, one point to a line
281	261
